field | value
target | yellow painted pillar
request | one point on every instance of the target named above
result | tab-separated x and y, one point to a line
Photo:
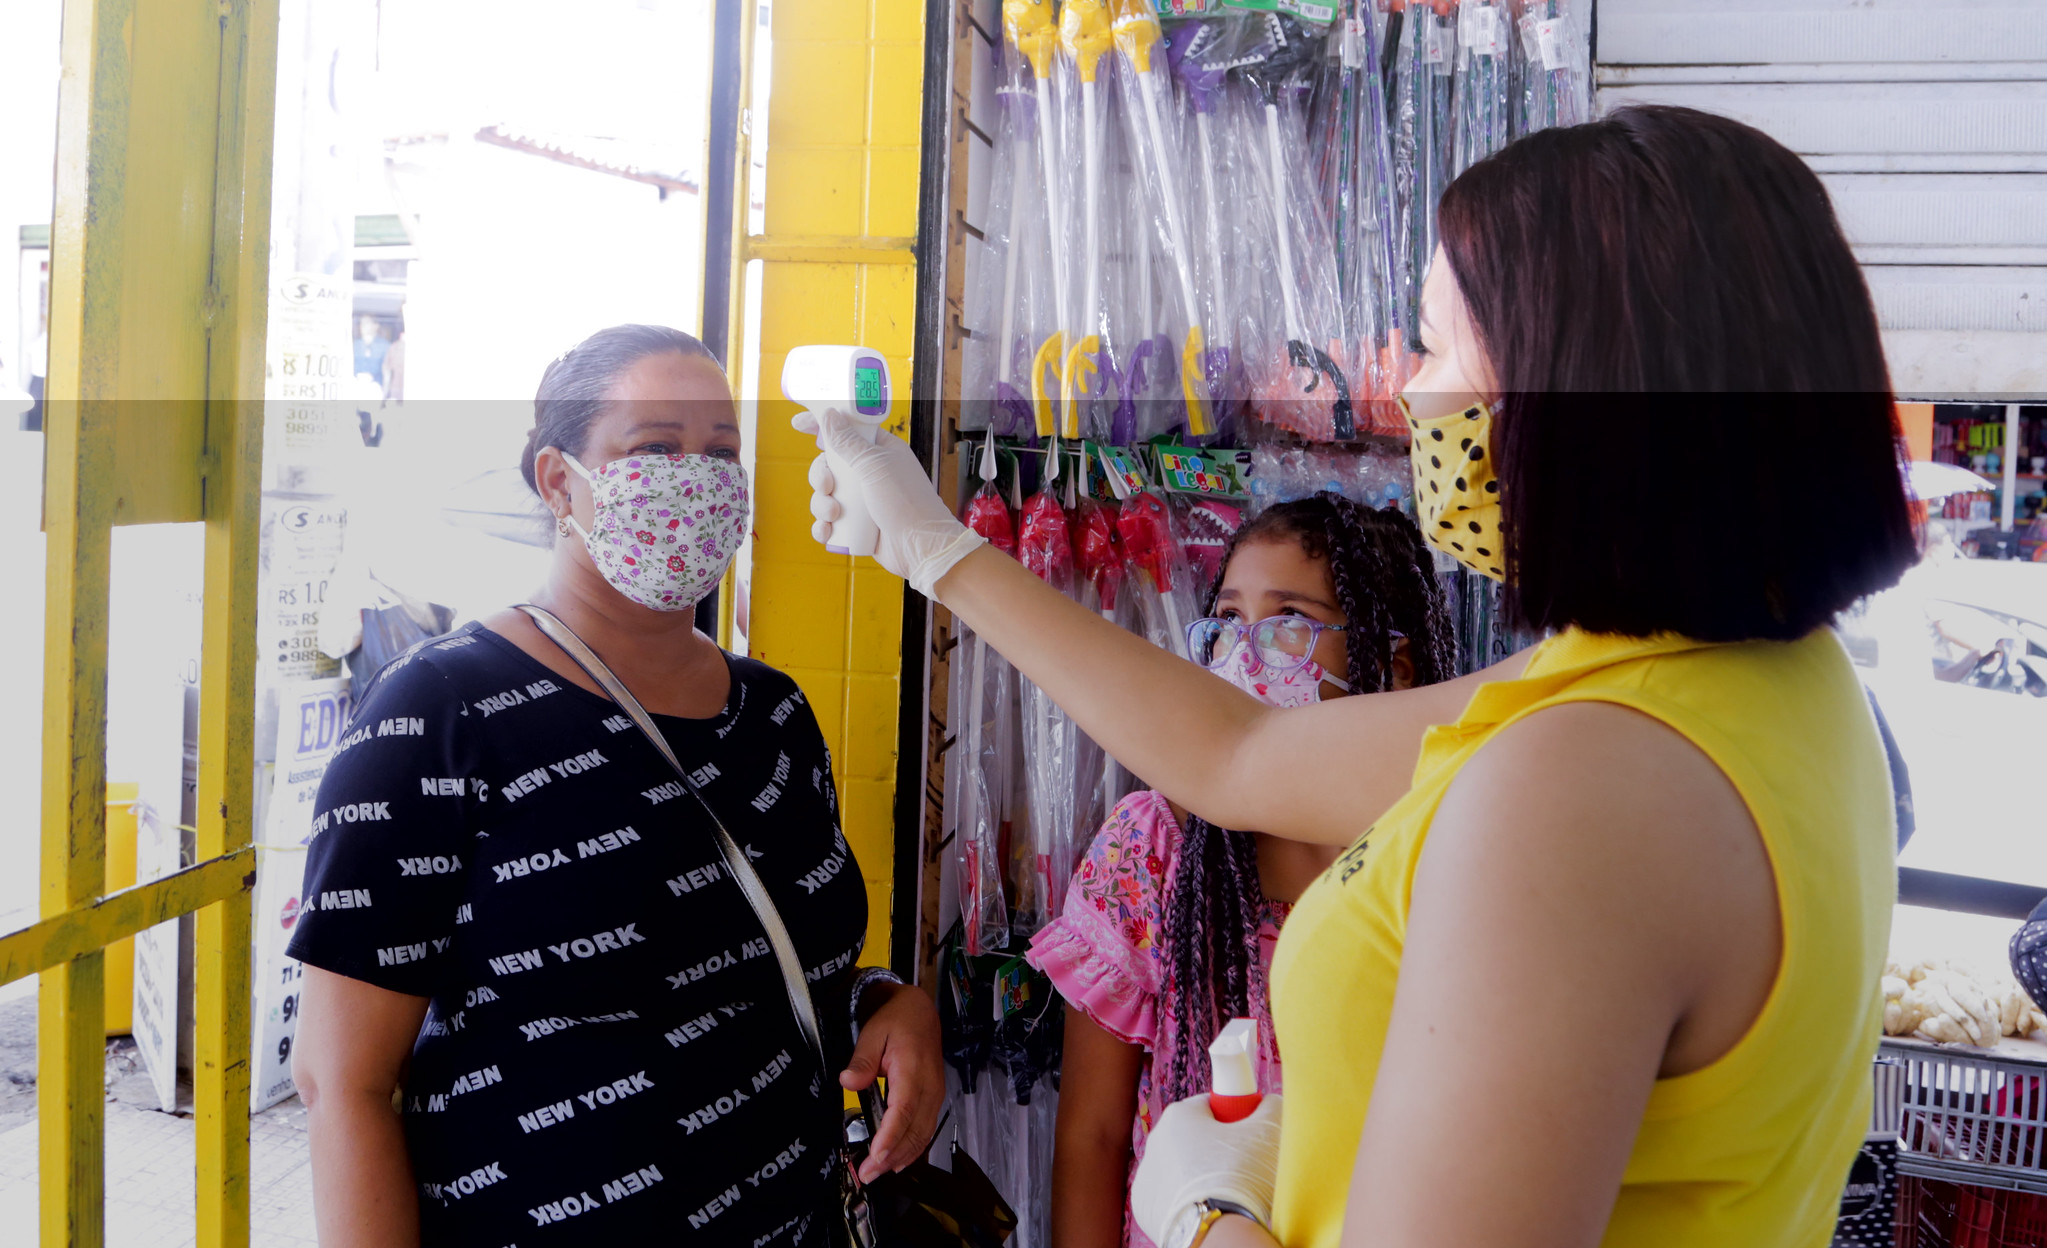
159	264
842	169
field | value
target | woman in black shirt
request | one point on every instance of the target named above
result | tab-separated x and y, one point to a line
518	917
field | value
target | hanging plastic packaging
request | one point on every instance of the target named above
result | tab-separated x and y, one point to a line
983	690
1032	28
1011	298
1282	474
1051	740
1162	160
1423	43
1002	1024
1357	185
1086	39
1098	555
1160	579
1550	76
1202	53
1300	378
1483	81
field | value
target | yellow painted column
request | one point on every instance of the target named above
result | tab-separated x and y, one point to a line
159	277
842	169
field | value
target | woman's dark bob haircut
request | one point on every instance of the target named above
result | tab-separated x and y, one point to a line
572	390
1695	431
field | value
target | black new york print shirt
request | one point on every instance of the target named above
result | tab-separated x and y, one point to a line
610	1055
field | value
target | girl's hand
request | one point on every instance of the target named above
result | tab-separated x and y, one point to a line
899	1043
1191	1157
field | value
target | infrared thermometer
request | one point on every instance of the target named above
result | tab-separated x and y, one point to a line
855	381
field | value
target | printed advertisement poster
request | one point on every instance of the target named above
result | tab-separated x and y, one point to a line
157	1024
310	719
311	431
300	549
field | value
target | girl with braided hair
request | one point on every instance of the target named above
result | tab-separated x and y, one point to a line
1170	925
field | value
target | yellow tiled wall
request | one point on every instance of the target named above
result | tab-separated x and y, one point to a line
843	128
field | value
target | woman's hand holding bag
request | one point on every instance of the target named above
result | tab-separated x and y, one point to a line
899	1043
1190	1157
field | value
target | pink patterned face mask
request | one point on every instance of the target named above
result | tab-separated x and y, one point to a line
1301	686
665	527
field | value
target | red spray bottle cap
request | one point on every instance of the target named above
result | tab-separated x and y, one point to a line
1233	1078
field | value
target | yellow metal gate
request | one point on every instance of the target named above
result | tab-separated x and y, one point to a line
159	267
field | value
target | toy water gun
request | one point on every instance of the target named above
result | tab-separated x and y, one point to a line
1140	39
1098	551
1152	553
1033	29
1086	34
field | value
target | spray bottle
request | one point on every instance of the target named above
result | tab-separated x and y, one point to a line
1233	1077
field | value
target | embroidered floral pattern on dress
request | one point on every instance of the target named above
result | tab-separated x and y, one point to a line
1105	952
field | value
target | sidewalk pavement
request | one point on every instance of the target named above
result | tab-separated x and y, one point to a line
150	1177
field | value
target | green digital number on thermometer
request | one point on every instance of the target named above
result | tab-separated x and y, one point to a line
867	388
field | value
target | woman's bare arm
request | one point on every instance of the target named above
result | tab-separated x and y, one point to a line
1320	773
1594	910
1091	1153
349	1057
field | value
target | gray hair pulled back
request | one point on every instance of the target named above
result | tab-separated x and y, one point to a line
572	390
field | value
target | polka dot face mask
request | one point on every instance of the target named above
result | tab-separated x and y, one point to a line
1456	495
665	527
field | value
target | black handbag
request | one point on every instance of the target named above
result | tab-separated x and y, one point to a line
920	1206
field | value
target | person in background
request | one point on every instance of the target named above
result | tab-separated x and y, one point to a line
1168	930
394	363
519	921
370	349
1599	963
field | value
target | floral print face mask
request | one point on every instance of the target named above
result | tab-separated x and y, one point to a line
665	527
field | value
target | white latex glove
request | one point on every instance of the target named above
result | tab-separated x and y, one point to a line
1190	1157
921	539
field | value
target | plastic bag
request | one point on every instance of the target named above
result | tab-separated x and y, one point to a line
1296	358
1486	46
1374	478
1357	187
1551	79
1051	740
1422	44
1011	300
982	691
1160	579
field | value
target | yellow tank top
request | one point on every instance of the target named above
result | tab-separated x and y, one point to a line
1753	1149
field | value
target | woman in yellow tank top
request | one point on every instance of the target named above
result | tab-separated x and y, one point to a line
1600	963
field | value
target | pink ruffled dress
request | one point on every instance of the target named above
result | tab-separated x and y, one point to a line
1105	952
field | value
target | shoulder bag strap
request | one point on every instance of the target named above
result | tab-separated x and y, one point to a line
735	857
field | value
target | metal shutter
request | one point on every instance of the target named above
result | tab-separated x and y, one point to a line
1927	119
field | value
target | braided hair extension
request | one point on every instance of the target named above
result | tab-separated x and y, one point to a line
1385	582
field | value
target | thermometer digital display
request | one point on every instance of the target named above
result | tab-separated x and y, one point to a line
869	397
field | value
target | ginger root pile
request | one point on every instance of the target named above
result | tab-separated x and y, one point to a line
1942	1002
